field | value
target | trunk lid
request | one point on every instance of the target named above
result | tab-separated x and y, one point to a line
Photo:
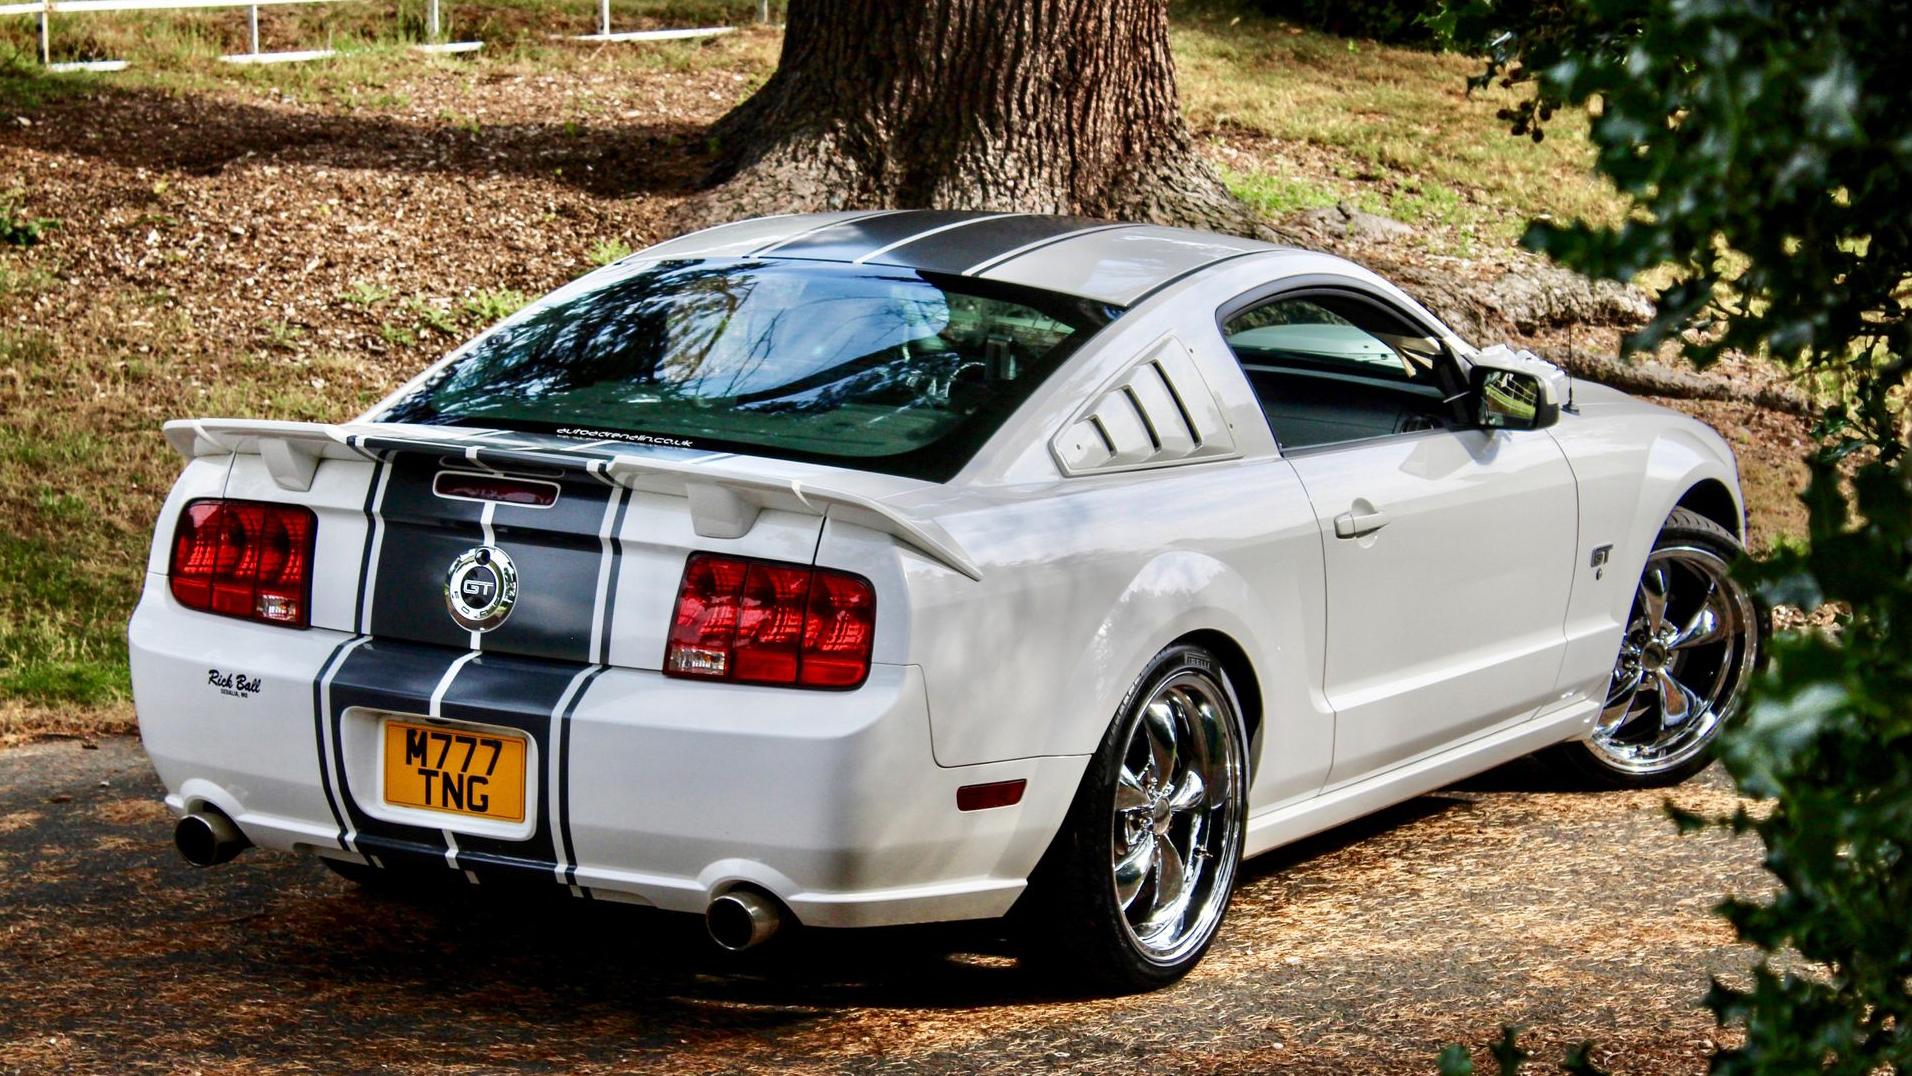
591	536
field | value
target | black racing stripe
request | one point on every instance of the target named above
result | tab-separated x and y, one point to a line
1011	254
521	694
800	233
853	239
1186	273
557	551
559	556
423	534
623	496
319	720
564	776
958	249
371	532
396	678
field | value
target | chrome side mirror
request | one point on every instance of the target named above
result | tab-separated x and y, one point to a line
1514	390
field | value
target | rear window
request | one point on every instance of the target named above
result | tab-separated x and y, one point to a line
882	369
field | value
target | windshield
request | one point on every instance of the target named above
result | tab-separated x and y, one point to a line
881	368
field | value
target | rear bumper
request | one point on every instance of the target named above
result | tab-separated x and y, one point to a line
639	787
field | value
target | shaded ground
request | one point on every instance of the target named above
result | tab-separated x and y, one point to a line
1581	916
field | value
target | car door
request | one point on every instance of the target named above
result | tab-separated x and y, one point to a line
1449	549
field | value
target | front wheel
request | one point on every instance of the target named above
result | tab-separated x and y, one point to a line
1136	884
1691	645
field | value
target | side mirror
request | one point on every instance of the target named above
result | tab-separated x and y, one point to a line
1511	390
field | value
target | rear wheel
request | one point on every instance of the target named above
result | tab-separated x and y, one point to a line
1690	647
1136	884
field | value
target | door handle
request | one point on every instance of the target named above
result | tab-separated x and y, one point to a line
1359	524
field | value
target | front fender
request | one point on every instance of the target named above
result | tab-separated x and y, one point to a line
1632	469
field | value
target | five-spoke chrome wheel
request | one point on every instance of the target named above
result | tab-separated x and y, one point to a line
1178	809
1690	646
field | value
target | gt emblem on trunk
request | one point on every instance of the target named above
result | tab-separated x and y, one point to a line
480	588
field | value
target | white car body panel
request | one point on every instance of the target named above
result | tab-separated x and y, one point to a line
1482	535
1017	604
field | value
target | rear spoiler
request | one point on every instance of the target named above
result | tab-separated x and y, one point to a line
725	496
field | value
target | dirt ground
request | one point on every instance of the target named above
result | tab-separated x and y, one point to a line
1581	916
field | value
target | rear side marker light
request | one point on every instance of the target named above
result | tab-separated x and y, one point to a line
245	559
758	622
994	794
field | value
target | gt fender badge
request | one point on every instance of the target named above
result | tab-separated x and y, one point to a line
481	587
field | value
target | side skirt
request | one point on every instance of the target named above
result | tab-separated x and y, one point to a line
1284	825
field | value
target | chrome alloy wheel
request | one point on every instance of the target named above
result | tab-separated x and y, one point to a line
1180	798
1690	647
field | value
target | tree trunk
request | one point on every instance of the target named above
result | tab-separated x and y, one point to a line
1051	106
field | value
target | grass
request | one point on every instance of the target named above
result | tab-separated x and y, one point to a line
178	51
82	474
494	305
1390	130
606	251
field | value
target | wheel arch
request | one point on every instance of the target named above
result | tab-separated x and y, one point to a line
1684	465
1711	498
1241	673
1176	597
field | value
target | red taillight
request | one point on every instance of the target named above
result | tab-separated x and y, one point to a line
243	559
764	623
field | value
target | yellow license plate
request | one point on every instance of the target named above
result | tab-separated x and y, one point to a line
451	770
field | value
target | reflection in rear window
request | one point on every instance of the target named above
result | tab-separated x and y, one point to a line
879	368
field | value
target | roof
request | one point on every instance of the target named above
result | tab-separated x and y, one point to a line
1101	260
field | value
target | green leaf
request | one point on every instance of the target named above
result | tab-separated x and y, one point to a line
1455	1062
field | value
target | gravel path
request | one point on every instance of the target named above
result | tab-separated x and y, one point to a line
1361	951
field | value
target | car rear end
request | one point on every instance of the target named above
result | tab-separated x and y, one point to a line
643	667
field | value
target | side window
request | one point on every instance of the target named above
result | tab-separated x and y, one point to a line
1331	368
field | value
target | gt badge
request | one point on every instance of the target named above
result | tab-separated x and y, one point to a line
480	588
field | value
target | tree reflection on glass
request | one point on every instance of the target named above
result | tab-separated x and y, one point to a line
904	371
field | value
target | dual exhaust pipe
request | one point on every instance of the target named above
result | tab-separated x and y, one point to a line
737	920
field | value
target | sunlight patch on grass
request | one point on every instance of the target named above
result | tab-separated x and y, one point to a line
1279	196
1396	121
179	51
62	628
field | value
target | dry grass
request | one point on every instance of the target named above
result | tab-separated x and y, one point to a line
23	721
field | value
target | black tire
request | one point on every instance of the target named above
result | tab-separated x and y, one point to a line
1071	922
1585	763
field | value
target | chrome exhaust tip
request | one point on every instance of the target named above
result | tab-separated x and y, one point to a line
208	838
743	919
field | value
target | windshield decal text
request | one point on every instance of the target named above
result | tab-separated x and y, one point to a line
619	435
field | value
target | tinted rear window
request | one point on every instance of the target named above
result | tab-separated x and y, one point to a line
882	369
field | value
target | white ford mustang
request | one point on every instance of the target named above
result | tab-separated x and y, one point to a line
874	568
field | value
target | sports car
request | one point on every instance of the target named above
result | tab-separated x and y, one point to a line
873	568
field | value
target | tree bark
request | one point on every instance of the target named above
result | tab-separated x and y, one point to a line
1652	379
1048	106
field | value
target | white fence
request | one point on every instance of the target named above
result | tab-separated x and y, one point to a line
46	9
